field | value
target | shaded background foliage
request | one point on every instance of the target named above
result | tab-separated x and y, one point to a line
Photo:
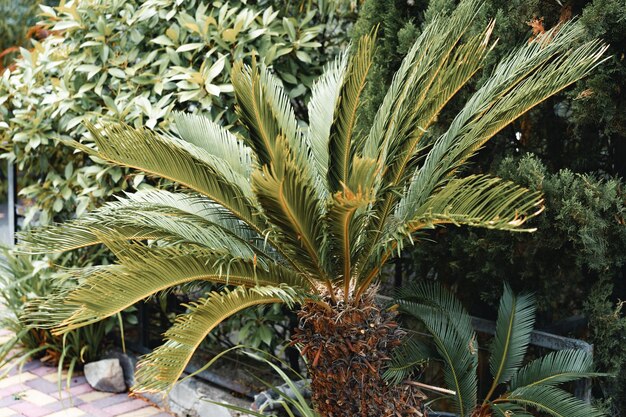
575	261
135	62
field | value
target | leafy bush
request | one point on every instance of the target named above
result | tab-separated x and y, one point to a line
17	17
580	238
135	62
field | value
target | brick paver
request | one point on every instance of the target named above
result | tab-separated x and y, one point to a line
34	392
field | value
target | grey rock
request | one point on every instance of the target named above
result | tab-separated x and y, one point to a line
128	363
105	375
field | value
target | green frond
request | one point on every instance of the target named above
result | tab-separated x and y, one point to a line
447	321
407	111
407	358
215	140
290	203
181	162
555	368
524	79
321	108
159	370
412	82
265	110
477	200
516	318
154	215
457	69
143	271
552	401
341	144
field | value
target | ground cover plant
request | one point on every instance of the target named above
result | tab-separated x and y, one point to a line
307	215
23	278
516	388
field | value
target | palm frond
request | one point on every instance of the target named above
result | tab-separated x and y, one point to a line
160	369
181	162
289	201
406	359
411	83
153	214
215	140
341	144
516	318
555	368
528	76
399	119
450	325
509	410
265	110
324	100
143	271
477	200
552	401
458	67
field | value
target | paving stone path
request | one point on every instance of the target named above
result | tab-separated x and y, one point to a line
34	392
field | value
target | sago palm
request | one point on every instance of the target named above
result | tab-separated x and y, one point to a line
307	214
515	390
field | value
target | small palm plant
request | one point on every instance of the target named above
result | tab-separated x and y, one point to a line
307	214
514	390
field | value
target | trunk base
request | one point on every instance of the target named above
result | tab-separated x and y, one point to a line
348	349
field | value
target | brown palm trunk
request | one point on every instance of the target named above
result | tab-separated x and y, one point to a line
348	350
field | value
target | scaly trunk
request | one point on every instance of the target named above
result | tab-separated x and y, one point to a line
348	350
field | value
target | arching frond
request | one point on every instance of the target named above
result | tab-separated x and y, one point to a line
265	110
412	82
528	76
450	325
516	318
555	368
341	144
181	162
143	271
154	214
216	140
552	401
321	107
456	69
159	370
290	203
509	410
477	200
